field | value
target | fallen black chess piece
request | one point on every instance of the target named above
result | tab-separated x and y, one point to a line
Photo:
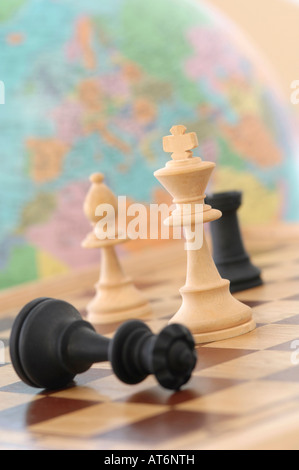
50	344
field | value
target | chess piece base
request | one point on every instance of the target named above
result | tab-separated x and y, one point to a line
114	304
246	284
102	318
239	330
219	335
242	274
209	321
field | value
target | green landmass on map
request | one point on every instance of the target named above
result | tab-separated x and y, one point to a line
9	7
22	267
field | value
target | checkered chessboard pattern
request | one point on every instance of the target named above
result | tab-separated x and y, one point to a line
244	392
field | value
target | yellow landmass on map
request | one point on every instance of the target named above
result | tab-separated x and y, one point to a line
243	98
259	205
49	266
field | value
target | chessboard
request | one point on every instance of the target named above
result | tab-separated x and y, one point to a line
244	392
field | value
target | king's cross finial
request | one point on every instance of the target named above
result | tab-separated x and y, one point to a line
179	143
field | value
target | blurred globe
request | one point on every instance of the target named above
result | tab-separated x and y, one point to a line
94	86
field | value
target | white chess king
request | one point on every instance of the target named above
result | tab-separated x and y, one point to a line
208	308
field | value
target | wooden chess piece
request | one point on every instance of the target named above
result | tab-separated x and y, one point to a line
50	344
229	253
208	309
117	298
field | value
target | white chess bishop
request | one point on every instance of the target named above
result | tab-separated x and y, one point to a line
117	299
208	308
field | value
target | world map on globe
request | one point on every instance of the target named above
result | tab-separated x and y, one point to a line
94	86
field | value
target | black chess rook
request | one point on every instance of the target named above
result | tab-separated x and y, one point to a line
229	253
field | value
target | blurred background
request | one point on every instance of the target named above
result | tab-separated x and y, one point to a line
94	86
272	26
